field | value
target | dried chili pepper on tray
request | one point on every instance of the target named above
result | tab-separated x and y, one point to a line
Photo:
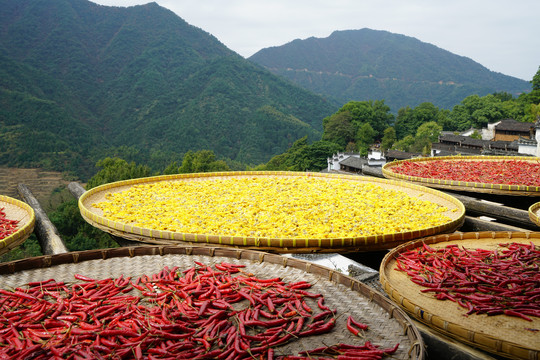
7	226
509	172
199	313
493	282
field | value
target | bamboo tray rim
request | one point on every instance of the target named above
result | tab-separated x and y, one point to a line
372	242
143	258
534	213
21	211
421	308
464	185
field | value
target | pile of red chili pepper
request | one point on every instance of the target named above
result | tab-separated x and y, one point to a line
493	282
7	226
509	172
200	313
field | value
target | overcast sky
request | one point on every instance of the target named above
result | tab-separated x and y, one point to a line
502	35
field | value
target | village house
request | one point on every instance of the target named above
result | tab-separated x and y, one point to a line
450	143
505	137
336	159
510	130
376	158
353	162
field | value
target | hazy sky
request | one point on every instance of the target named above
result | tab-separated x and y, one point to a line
502	35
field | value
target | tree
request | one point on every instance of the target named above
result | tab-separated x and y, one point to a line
116	169
476	135
339	129
535	112
404	144
536	80
171	169
382	118
503	96
302	156
427	134
345	125
377	114
476	112
403	121
202	161
365	137
533	97
409	120
388	139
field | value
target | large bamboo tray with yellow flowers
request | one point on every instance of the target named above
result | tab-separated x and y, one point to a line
293	212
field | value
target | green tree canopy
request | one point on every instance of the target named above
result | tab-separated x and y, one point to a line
536	80
476	112
375	113
339	129
404	144
116	169
345	125
202	161
532	98
426	134
303	156
410	119
388	139
365	137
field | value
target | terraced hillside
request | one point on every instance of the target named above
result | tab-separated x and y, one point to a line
41	183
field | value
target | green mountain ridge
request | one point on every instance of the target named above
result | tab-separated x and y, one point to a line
85	81
365	64
81	81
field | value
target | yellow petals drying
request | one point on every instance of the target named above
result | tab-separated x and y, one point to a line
272	207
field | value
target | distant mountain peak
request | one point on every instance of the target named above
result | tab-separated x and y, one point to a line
368	64
80	80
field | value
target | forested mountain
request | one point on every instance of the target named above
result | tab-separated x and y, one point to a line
81	81
360	65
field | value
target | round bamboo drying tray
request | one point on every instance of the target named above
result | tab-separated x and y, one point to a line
499	189
388	324
534	213
503	335
93	215
24	214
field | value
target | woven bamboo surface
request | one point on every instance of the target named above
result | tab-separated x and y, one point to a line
456	212
16	210
503	335
499	189
388	324
534	213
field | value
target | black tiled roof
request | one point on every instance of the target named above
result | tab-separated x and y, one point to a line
400	155
451	138
461	140
353	162
504	145
513	125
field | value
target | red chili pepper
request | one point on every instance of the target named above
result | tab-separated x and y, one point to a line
177	314
482	281
7	226
356	323
511	172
